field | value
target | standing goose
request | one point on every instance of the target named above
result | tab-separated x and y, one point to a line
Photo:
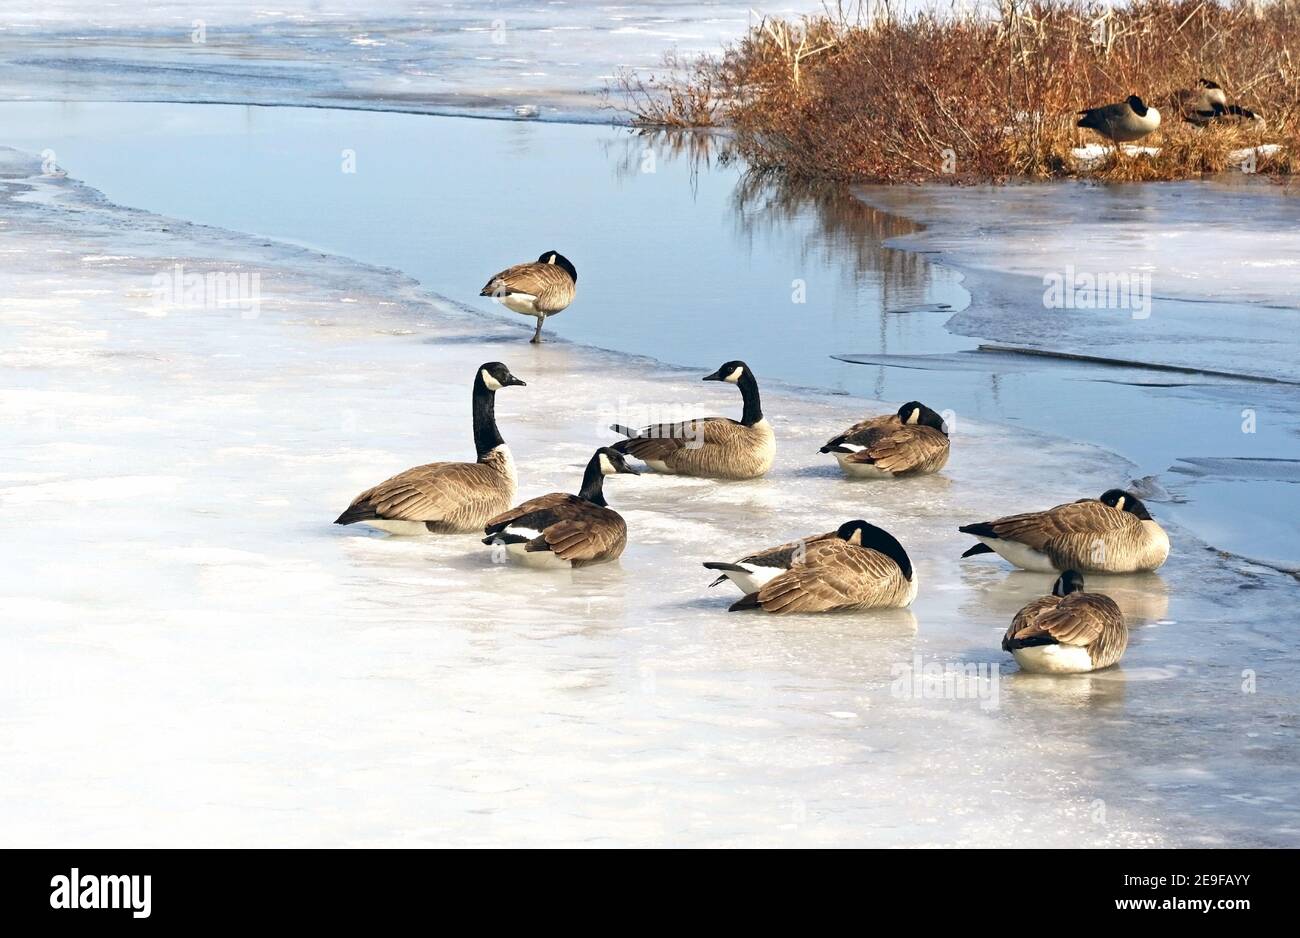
1123	122
911	442
709	447
1110	534
1068	632
562	530
446	497
860	567
543	288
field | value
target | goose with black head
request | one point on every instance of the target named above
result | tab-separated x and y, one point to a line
563	530
1111	534
911	442
540	288
1067	632
860	567
448	497
709	447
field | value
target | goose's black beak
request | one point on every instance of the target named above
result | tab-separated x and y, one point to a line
512	381
716	376
629	470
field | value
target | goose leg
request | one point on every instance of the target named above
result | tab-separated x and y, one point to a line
537	336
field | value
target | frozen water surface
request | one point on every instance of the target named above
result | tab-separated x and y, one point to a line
432	56
194	655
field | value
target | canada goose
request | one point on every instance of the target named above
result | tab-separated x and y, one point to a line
566	530
1068	632
910	442
1123	122
860	567
1110	534
543	288
1199	105
445	497
710	447
1233	114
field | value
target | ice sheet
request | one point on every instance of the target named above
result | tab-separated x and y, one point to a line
194	655
445	57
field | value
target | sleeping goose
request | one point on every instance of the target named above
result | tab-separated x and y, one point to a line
445	497
1124	122
1199	105
561	530
910	442
860	567
709	447
1110	534
1068	632
543	288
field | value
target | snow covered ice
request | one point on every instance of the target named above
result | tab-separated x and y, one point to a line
194	655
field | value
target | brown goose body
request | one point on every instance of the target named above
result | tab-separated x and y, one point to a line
908	443
440	498
1067	634
541	288
448	497
1123	122
858	567
1088	535
559	529
709	447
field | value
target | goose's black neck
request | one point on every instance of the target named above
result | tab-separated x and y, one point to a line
486	435
749	392
593	483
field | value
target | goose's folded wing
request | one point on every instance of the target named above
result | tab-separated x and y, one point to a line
549	283
1078	619
834	574
862	432
902	448
785	554
428	493
1087	517
586	536
537	513
1025	624
661	440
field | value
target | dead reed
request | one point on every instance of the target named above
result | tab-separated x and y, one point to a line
981	94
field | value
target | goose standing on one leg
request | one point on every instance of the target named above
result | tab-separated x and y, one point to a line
913	441
861	567
1111	534
709	447
543	288
446	497
566	530
1124	122
1068	632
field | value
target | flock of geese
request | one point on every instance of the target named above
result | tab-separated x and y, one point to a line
856	566
1132	119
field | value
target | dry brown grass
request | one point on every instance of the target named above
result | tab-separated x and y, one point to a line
989	95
